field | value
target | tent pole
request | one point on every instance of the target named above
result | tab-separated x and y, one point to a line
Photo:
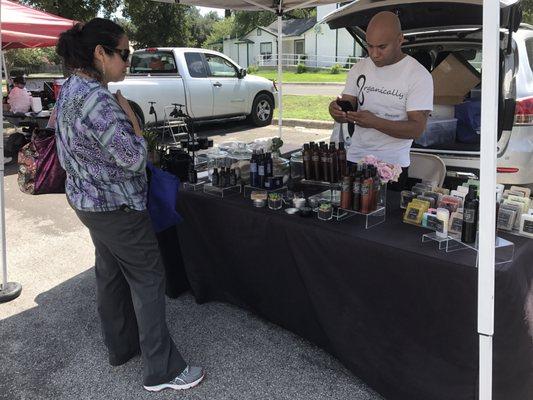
487	206
6	71
8	290
280	53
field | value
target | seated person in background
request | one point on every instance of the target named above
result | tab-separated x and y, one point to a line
156	64
19	98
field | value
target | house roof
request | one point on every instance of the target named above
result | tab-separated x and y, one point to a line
292	27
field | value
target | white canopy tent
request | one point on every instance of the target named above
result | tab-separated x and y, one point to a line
278	7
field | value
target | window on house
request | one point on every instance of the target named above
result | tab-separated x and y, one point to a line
266	50
299	47
258	33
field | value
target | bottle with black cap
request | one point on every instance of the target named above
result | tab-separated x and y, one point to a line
470	216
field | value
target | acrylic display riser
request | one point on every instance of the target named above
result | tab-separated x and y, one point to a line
194	187
504	249
369	220
221	191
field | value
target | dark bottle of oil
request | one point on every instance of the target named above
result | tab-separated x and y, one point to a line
324	162
366	192
356	189
334	163
253	170
341	159
215	177
346	192
269	165
261	170
470	216
306	158
315	160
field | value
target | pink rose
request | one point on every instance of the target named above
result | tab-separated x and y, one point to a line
385	172
371	159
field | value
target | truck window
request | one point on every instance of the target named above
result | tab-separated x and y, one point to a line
220	67
196	65
153	62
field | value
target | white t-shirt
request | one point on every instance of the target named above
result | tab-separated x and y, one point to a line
388	92
19	100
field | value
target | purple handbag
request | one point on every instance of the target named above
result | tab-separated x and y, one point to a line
39	168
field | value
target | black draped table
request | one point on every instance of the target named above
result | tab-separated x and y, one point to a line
400	314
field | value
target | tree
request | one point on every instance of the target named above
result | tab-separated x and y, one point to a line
220	30
200	26
29	59
79	10
158	24
527	7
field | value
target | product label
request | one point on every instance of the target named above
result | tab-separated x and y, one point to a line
457	224
434	223
365	190
412	214
357	188
528	226
306	157
324	159
345	187
253	167
261	170
469	216
316	158
504	219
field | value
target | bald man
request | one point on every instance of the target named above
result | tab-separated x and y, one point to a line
392	93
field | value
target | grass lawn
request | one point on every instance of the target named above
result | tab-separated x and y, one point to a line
310	77
305	107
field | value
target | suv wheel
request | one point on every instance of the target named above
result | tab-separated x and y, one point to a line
262	110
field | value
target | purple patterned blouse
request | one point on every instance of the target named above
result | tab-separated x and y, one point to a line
105	161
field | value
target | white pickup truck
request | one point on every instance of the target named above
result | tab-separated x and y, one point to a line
209	84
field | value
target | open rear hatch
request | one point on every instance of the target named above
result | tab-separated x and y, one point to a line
441	28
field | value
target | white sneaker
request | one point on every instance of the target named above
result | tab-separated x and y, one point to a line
188	378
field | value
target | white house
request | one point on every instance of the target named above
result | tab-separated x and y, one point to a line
304	41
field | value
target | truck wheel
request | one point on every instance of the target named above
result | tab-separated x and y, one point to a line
262	110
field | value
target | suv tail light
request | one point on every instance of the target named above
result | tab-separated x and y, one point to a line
524	111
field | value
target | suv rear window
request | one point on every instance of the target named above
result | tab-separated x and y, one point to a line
529	50
153	61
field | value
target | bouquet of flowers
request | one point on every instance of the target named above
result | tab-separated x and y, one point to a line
387	172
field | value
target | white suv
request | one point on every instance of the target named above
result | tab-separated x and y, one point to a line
435	29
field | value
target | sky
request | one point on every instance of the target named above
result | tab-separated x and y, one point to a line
205	10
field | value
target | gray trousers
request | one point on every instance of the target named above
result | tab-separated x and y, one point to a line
130	286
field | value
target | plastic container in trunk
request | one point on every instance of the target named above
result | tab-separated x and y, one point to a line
438	131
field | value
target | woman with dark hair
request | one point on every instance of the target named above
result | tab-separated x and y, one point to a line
100	146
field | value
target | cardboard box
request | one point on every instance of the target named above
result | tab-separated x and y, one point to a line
453	79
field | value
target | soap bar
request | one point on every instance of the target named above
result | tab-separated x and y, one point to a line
524	200
526	225
415	211
517	208
455	225
442	191
526	191
506	219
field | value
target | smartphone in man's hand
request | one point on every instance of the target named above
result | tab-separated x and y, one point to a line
345	105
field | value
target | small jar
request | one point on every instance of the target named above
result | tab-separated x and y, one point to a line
325	212
274	201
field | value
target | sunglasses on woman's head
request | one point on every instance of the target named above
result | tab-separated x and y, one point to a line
123	53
